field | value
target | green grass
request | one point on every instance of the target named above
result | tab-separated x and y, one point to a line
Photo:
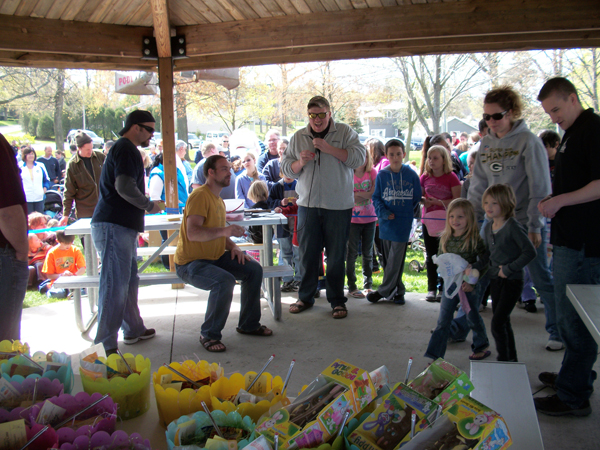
414	281
5	123
34	298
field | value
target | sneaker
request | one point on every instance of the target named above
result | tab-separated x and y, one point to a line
318	293
287	286
148	334
548	379
553	406
374	296
111	351
482	308
438	297
430	297
355	293
398	299
554	346
530	306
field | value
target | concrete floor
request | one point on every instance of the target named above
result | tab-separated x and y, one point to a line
372	335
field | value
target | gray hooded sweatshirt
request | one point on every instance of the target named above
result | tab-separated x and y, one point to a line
326	182
520	160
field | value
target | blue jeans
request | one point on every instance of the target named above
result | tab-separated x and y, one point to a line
286	254
542	281
219	277
119	281
574	384
439	338
318	228
35	207
365	233
13	280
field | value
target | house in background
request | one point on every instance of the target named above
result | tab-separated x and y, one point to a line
458	125
379	120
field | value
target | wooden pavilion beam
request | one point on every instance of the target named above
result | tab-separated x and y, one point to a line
391	49
25	34
374	32
469	20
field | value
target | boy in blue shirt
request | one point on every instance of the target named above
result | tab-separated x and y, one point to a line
397	193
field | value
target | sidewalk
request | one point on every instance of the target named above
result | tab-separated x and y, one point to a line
372	335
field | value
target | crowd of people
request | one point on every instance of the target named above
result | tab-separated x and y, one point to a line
484	201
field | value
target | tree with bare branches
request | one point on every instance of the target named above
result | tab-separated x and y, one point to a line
432	83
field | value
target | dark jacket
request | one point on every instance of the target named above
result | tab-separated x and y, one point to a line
80	187
510	248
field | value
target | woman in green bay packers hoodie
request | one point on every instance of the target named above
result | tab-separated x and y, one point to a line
511	154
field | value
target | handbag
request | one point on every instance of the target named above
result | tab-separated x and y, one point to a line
435	221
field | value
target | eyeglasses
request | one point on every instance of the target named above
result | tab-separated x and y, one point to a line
319	115
148	129
496	116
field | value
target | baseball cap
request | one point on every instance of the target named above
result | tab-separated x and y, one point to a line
318	102
135	117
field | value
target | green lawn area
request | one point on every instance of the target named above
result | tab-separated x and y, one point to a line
8	122
414	281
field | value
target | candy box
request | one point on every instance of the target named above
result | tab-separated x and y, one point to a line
466	425
389	425
443	383
319	410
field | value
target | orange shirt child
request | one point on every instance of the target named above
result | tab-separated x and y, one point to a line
63	259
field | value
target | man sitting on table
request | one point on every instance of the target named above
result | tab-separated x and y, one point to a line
207	258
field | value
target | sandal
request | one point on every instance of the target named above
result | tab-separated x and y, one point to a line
212	345
262	331
298	307
479	356
339	312
356	294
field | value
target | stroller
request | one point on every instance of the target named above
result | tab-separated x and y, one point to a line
53	205
416	243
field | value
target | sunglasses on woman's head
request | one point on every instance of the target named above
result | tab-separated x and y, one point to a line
496	116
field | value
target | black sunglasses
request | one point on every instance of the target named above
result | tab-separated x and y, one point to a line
496	116
319	115
147	128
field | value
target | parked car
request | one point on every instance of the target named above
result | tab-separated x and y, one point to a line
194	141
97	141
417	142
215	136
157	136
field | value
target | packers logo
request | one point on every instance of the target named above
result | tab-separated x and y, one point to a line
496	166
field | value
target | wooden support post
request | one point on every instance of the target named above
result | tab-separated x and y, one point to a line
165	80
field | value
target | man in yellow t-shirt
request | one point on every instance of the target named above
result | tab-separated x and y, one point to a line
208	259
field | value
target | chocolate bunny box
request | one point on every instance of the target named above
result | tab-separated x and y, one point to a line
319	411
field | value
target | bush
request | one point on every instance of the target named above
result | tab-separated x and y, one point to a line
24	121
32	128
45	128
21	139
